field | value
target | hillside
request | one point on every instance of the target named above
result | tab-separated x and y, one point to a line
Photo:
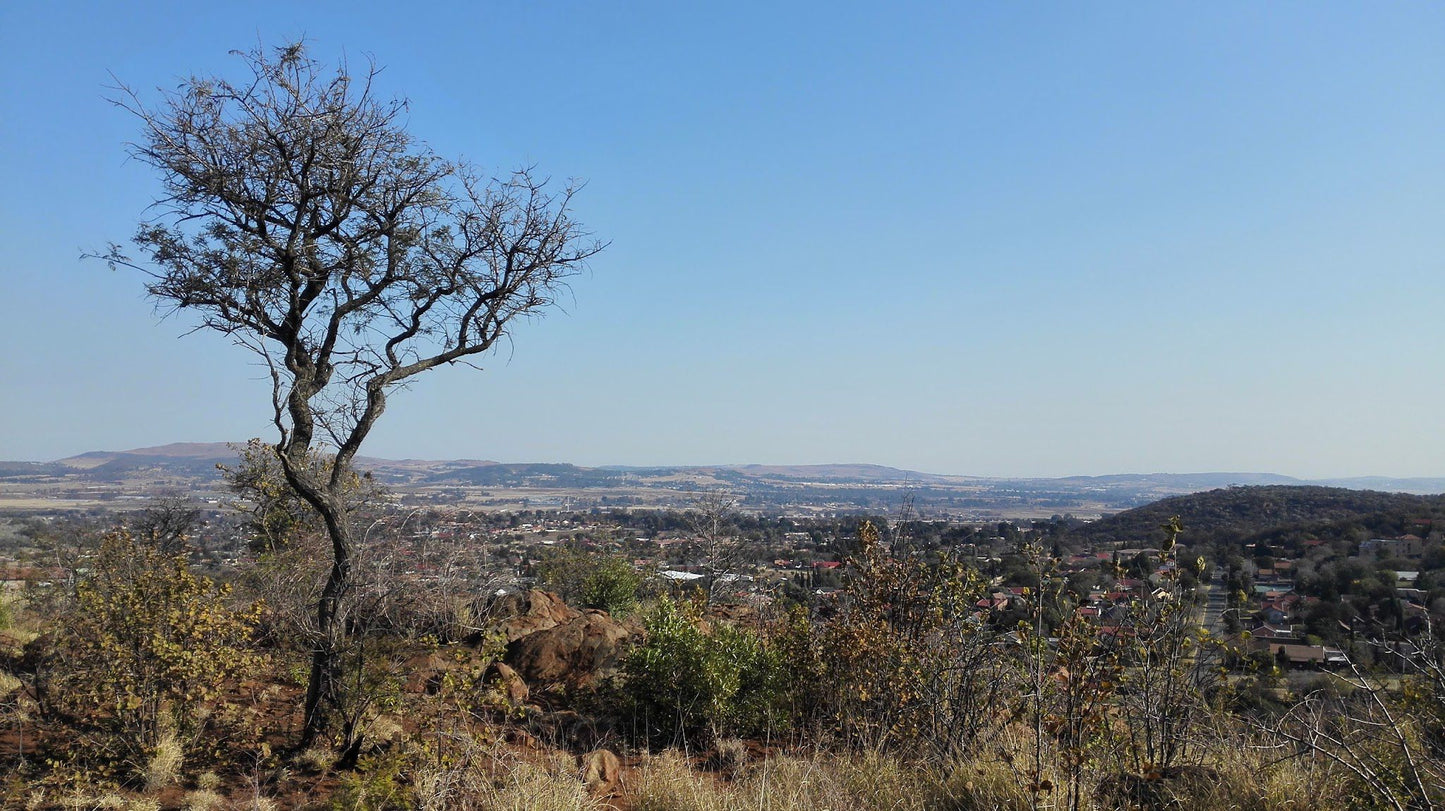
1240	513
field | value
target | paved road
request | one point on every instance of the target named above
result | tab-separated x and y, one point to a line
1212	619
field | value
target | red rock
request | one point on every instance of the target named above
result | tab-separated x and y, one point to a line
519	615
577	653
601	771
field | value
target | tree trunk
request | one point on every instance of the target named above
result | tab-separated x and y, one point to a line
322	690
323	686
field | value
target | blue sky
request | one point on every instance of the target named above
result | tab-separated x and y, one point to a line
988	238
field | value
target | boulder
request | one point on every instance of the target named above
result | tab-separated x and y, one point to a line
576	653
601	771
425	673
505	681
517	615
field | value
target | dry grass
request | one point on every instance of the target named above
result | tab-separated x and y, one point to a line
164	766
540	787
732	755
981	786
483	781
384	729
667	782
1247	779
316	759
203	800
1254	777
110	801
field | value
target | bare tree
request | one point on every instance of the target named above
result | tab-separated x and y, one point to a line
300	219
1389	741
168	523
1373	738
712	516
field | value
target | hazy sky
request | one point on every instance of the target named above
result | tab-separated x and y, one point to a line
976	238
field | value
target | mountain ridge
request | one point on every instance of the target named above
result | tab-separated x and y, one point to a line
200	457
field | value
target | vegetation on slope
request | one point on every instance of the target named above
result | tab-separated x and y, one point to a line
1236	513
901	688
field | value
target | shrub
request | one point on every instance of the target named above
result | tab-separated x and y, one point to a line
608	582
684	680
611	586
147	644
906	661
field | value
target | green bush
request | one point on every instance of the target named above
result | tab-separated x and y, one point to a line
611	586
686	681
589	580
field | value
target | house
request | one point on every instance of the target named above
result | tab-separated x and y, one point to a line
1266	632
996	602
1406	546
1303	656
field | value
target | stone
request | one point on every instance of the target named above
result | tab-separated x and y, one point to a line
517	615
576	653
505	680
601	771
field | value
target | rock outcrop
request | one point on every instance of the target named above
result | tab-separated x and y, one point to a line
518	615
507	683
576	653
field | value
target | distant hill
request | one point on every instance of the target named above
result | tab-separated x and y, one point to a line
531	475
177	450
201	457
195	460
1420	486
1239	513
25	470
820	488
199	460
846	473
1182	481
